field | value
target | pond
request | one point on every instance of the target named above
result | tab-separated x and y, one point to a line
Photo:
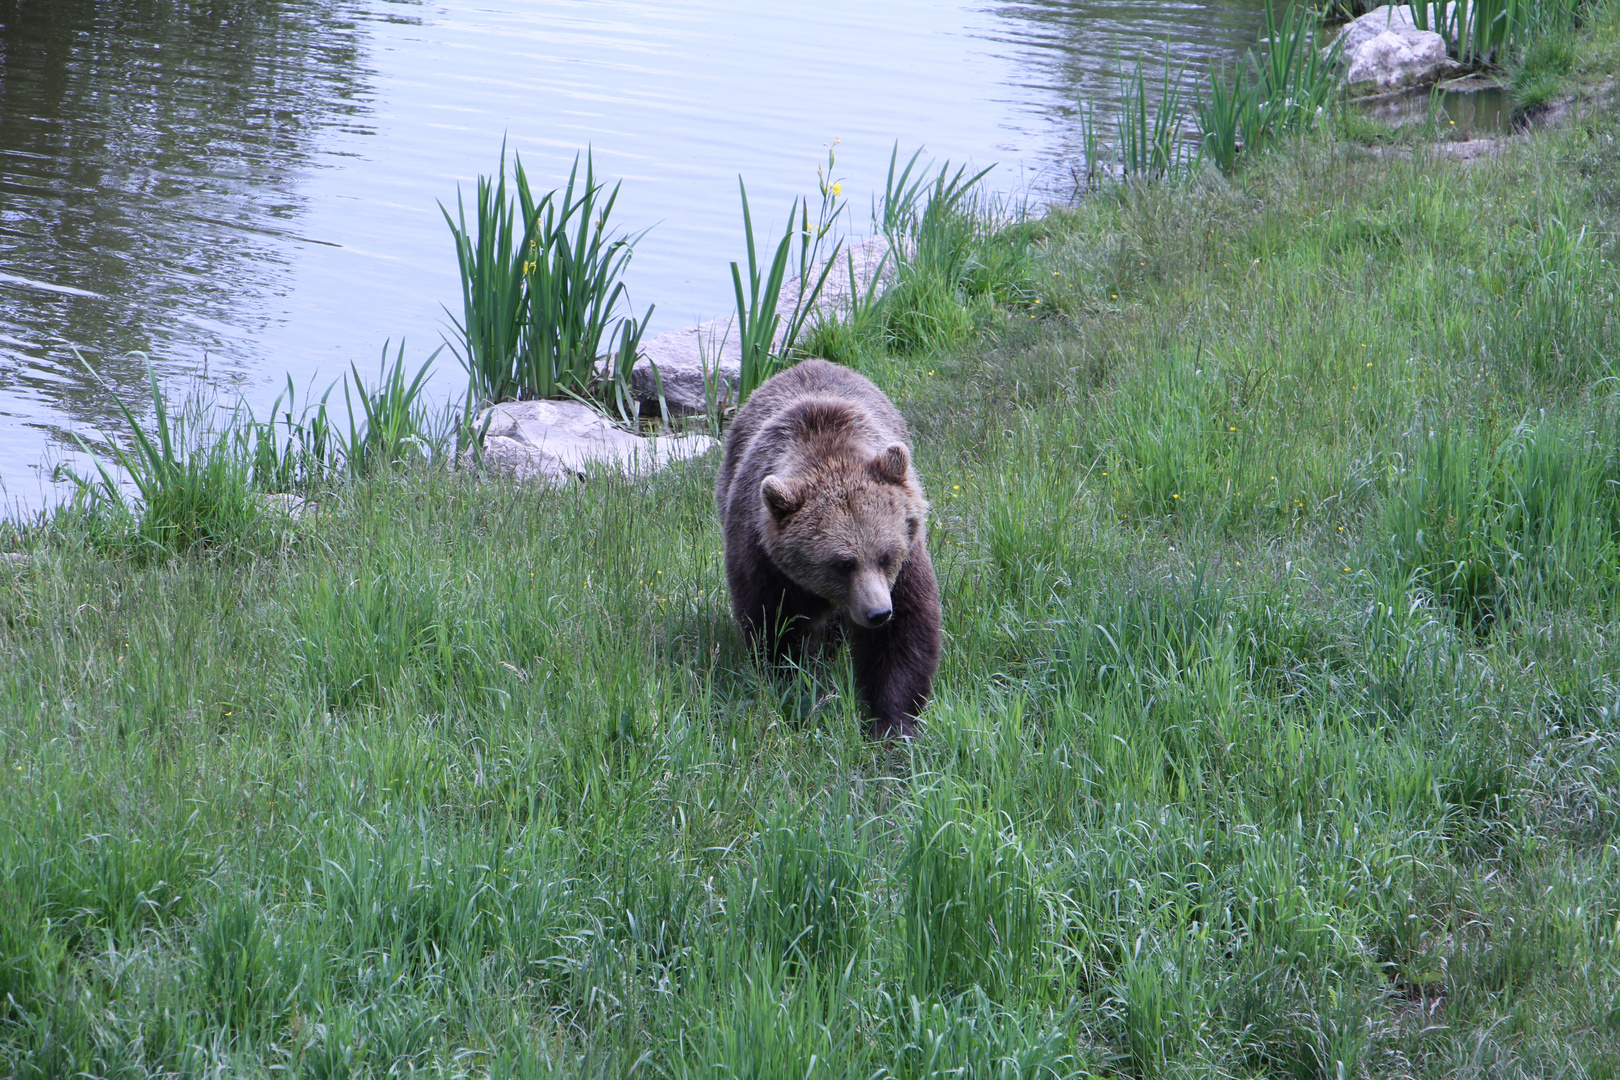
244	190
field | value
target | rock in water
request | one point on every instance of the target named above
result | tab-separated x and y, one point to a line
1384	52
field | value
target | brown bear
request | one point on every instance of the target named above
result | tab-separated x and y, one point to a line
823	516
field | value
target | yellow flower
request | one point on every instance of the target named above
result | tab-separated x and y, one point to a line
837	190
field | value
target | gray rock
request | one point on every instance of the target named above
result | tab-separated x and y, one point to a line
15	558
687	361
554	442
1384	52
683	363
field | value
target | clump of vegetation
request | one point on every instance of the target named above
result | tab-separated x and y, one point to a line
954	259
192	488
1534	520
1150	143
1532	42
542	285
767	342
1489	31
199	478
1268	99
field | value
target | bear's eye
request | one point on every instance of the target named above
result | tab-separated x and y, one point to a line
844	566
887	560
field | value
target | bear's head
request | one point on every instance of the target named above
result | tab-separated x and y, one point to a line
844	528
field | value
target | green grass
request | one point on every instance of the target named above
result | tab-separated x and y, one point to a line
1225	774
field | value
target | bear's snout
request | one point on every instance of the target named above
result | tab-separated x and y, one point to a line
869	603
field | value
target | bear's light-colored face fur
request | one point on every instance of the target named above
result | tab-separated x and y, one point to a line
843	530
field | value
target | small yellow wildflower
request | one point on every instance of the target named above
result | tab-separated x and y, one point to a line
837	189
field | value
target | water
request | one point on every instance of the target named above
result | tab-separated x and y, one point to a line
249	189
1454	114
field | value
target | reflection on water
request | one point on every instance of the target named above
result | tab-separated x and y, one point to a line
1454	114
250	188
1077	51
149	156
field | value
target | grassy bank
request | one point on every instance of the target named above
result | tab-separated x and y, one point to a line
1278	732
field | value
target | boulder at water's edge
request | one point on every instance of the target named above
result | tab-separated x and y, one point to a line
1384	52
554	442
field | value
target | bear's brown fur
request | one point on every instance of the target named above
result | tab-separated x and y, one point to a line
823	516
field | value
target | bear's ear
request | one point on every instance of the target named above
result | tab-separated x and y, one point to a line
891	463
781	496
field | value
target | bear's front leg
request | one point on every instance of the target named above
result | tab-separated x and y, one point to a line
895	663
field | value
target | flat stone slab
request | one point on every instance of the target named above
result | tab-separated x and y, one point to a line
1384	52
687	361
1471	84
555	442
